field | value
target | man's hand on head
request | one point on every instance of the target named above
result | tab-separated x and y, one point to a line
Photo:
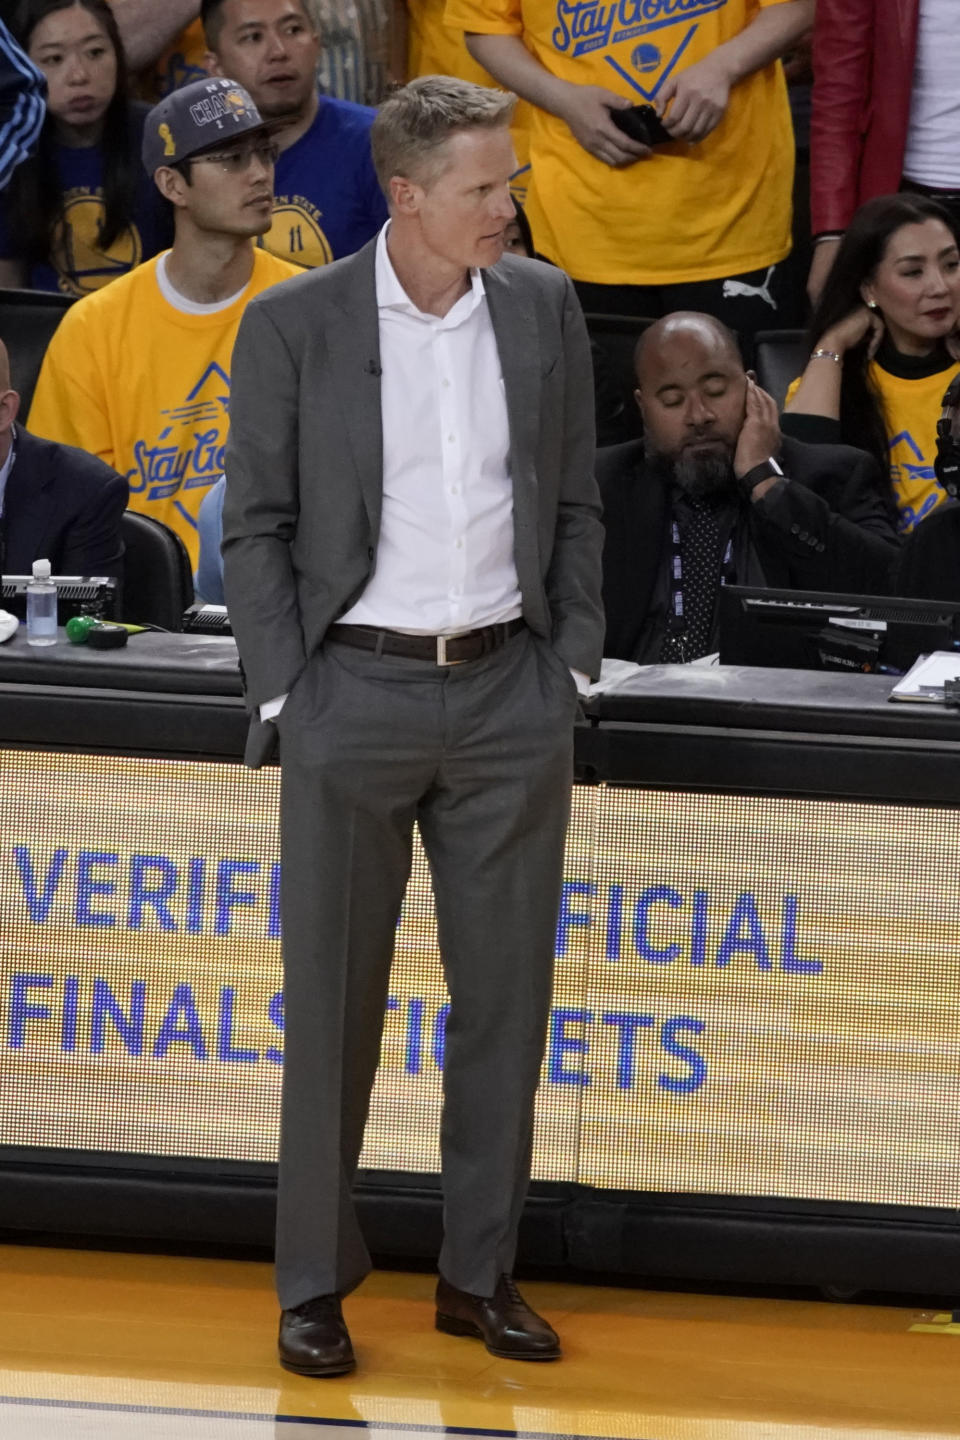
760	437
586	109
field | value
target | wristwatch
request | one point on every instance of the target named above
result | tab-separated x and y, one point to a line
766	470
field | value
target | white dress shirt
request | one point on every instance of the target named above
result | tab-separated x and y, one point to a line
445	550
933	139
445	560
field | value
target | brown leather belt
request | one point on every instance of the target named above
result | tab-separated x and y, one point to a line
441	649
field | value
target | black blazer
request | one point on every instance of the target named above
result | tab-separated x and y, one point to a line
829	529
65	506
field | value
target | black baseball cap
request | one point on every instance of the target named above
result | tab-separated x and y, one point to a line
201	116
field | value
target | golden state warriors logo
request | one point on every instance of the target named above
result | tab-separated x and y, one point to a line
169	144
296	233
585	26
236	104
81	265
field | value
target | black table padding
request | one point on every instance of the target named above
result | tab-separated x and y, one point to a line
179	664
742	698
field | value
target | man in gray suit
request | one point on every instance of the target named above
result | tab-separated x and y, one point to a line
412	567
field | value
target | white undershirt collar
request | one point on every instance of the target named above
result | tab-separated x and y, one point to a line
180	302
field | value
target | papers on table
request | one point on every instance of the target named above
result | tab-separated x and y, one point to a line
924	681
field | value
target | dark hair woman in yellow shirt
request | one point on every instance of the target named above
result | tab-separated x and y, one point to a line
884	346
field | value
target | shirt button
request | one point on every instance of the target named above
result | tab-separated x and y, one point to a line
451	439
459	544
446	384
454	489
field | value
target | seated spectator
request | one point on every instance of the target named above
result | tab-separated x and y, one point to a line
517	237
328	202
57	503
164	43
139	373
80	213
929	565
886	111
715	494
884	347
22	105
364	46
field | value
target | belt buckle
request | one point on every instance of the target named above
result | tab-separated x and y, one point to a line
442	650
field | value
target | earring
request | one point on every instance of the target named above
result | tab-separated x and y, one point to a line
872	305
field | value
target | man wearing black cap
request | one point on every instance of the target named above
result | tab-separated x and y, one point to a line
139	372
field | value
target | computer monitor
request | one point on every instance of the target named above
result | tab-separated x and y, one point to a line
76	595
810	630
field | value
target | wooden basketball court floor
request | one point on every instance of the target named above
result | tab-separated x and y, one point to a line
95	1346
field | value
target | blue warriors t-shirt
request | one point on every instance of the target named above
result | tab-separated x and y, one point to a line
327	200
77	264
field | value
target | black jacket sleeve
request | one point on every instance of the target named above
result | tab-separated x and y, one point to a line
93	545
831	530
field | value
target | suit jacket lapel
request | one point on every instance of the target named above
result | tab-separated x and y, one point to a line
354	348
353	342
515	326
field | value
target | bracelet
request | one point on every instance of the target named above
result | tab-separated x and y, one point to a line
827	355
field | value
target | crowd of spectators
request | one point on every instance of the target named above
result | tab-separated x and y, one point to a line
162	164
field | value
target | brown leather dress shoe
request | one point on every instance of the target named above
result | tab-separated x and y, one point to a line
504	1322
314	1339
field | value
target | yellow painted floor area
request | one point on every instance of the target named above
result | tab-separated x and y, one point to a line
99	1345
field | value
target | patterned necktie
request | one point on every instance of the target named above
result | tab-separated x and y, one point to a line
688	635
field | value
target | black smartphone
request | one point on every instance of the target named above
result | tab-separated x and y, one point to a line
643	124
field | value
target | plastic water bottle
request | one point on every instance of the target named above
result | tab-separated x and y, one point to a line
41	606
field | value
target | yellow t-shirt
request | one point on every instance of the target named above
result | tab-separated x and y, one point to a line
182	62
147	388
433	48
911	409
692	212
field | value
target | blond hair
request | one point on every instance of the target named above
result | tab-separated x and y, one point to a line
416	121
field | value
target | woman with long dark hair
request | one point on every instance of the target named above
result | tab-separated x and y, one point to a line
884	346
82	211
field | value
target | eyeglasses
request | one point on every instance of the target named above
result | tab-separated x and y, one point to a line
236	162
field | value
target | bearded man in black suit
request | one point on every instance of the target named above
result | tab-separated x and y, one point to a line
714	494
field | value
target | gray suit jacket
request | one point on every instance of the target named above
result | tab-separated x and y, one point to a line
301	516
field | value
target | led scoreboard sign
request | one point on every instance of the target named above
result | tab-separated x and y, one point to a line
736	1010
